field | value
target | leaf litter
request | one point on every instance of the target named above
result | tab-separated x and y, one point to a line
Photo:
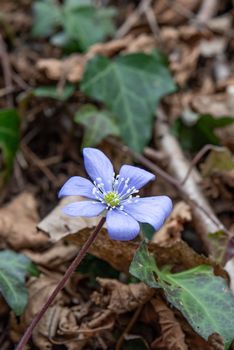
89	314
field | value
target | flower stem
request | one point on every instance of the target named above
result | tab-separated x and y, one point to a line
75	263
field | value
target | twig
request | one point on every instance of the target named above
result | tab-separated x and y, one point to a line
6	71
205	219
38	162
151	18
75	263
132	19
129	327
198	157
207	10
195	203
6	91
181	10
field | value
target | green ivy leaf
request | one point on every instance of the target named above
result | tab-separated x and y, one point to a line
53	92
9	141
130	86
87	24
47	15
82	23
201	132
13	269
203	298
98	125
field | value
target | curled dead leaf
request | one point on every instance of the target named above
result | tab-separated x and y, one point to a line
18	221
123	297
172	336
216	342
171	231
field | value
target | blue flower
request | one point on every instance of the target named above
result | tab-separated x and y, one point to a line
115	197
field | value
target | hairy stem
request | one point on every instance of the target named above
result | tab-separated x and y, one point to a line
75	263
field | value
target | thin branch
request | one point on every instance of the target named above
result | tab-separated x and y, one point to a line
133	320
198	157
177	184
205	219
40	164
132	19
75	263
207	10
6	71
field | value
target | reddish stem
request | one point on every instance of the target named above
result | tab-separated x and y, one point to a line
75	263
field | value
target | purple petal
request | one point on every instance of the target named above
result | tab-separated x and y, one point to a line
121	226
152	210
98	166
77	186
85	208
137	177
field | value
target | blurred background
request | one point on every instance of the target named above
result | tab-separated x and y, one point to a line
147	82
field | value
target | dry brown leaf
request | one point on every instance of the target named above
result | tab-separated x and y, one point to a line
118	254
171	231
172	336
39	290
184	62
142	43
72	67
111	47
58	254
122	297
216	105
172	12
18	221
216	342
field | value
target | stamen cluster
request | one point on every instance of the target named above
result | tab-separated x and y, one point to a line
120	194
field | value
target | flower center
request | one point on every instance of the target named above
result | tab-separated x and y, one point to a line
112	199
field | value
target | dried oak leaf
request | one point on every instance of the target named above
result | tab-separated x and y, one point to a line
171	231
18	221
172	337
118	254
122	297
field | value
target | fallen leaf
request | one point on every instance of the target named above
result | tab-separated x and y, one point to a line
18	221
218	174
216	105
72	67
118	254
52	258
172	14
172	336
172	229
122	297
39	289
216	342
